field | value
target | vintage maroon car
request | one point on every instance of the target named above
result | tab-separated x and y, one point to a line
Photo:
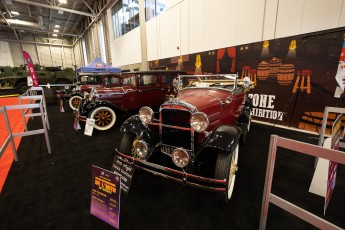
125	94
197	133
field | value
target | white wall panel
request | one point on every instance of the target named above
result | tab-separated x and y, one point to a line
78	54
6	56
126	49
56	52
68	59
184	43
250	15
45	55
270	19
17	55
289	18
152	39
32	51
220	24
197	26
170	32
320	15
342	16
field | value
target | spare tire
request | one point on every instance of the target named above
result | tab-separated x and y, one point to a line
50	95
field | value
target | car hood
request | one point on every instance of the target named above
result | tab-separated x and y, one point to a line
209	104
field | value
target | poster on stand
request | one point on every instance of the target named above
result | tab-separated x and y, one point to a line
332	169
126	169
105	196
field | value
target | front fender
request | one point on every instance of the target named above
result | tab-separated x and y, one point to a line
224	138
86	107
134	125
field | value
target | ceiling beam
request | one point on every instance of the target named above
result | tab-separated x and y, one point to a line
41	43
39	31
55	8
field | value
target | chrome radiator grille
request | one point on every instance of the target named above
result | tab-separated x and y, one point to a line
172	136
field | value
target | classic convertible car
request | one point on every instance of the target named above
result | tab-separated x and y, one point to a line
196	135
124	94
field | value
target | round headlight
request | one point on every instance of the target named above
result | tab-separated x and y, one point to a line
140	149
145	114
78	88
199	122
180	157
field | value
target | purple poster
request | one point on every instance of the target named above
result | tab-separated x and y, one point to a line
105	196
332	169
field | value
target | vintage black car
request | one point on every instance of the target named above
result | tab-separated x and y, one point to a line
125	94
74	93
197	133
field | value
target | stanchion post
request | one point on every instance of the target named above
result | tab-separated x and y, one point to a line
8	126
45	128
268	181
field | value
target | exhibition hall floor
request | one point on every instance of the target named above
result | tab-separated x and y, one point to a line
52	191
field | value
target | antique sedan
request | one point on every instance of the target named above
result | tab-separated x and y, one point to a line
196	136
124	94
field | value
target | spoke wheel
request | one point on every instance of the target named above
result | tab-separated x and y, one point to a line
226	168
74	102
104	118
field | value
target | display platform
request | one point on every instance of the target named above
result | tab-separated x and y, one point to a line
52	191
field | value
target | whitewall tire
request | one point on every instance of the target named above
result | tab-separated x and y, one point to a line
105	118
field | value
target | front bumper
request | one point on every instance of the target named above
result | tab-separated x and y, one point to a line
205	183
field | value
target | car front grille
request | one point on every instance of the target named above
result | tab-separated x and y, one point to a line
173	136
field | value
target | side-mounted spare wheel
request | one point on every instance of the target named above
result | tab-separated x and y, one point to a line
226	167
74	102
105	118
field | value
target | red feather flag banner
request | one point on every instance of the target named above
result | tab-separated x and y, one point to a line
31	68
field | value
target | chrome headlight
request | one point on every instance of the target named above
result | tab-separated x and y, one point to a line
146	114
140	149
180	157
199	122
93	94
77	88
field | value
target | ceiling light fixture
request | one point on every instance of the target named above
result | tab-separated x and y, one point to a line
54	35
63	1
57	26
56	31
14	13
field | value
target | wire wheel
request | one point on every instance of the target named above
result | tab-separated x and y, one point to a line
226	168
104	118
74	102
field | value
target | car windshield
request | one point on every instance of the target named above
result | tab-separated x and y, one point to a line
225	81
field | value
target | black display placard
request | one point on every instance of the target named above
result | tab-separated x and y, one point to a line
124	168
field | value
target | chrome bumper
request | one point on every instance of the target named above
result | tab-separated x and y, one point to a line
205	183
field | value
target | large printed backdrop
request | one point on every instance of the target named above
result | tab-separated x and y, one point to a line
294	76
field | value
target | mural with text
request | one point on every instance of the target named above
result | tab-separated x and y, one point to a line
294	77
